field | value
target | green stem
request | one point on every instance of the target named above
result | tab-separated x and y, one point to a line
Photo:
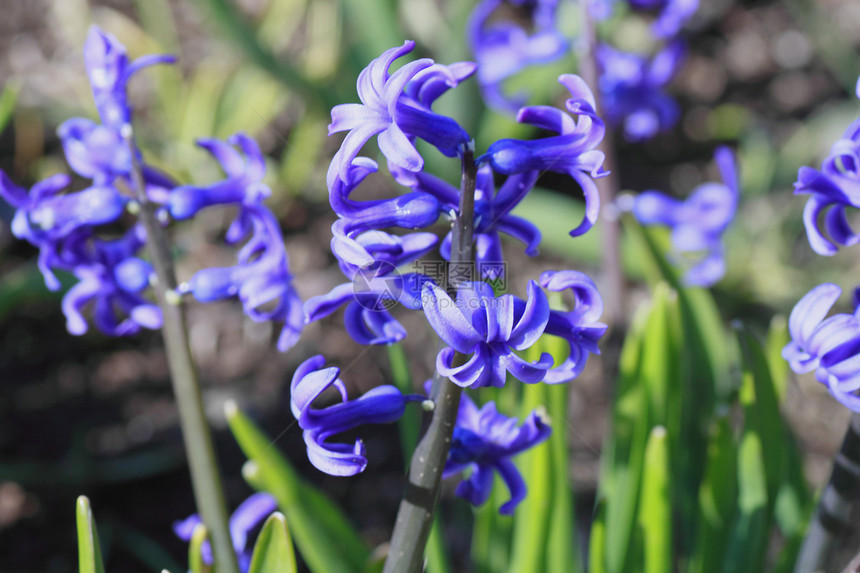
415	516
205	477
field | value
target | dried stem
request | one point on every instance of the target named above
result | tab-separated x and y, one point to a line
415	515
607	186
205	477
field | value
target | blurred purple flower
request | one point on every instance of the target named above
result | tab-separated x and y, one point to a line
504	48
485	440
99	151
670	18
244	183
488	330
580	327
247	516
112	277
381	405
698	222
45	218
261	279
631	89
830	346
572	152
398	113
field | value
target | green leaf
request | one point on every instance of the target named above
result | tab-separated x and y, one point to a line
748	543
326	540
89	551
655	509
8	100
717	500
273	552
777	338
195	550
597	541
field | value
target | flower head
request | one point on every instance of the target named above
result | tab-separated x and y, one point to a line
698	222
381	405
485	440
488	330
830	346
247	516
397	113
632	86
573	151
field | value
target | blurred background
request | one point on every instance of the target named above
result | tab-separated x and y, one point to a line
94	415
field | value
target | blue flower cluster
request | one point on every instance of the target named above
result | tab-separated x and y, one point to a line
502	48
829	346
697	223
76	232
487	330
632	85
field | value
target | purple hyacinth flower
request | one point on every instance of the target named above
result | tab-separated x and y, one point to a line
261	279
111	277
580	327
381	405
244	183
698	222
492	213
833	188
397	116
485	440
571	152
413	210
504	48
375	288
632	89
99	151
830	346
45	218
250	514
488	330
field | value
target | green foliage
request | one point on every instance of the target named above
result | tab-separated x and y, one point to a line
89	551
273	552
699	470
324	537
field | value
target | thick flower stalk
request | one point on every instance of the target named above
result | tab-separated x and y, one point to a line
572	152
632	89
483	443
247	517
697	224
504	48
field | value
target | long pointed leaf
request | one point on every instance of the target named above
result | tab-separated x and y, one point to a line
273	552
89	551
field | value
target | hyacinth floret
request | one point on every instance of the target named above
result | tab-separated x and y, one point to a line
829	346
579	327
487	330
572	152
382	405
484	441
833	188
698	223
395	116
